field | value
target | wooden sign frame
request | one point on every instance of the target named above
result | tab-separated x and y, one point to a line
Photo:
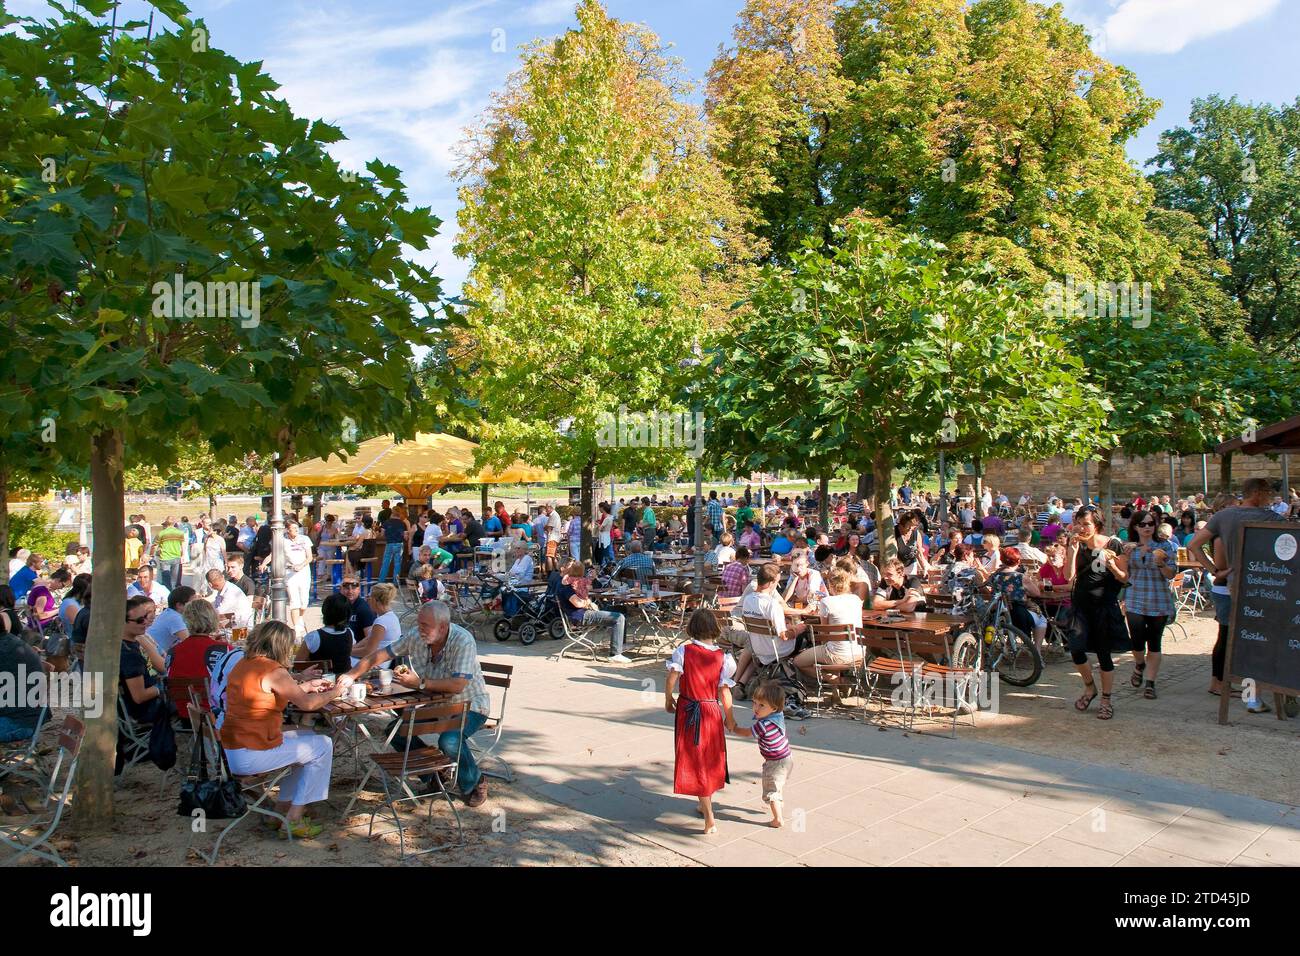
1279	693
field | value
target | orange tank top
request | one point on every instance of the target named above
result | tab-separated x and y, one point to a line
253	716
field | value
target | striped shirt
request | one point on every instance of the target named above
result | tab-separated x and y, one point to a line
715	513
769	731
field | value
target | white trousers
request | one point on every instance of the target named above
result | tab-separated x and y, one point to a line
298	584
312	756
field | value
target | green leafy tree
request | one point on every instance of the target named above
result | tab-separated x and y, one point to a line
883	348
1236	170
156	158
603	240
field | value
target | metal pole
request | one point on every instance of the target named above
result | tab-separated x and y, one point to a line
81	518
1173	481
1286	478
1086	500
279	593
699	528
1205	474
943	490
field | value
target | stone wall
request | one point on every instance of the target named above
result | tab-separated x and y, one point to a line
1150	475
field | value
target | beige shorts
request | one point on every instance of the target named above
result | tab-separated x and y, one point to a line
825	654
775	773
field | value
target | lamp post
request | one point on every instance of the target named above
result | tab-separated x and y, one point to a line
279	593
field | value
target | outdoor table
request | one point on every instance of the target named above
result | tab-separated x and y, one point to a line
632	598
341	710
920	621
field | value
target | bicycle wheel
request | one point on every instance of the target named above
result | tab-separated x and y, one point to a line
965	651
1018	663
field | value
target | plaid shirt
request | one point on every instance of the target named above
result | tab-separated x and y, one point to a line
734	578
458	658
1150	594
715	513
641	563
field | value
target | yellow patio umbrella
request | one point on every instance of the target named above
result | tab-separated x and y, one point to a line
415	469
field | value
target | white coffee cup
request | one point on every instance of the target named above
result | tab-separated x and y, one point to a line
358	692
385	681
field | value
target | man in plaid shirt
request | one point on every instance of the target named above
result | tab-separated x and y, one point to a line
638	561
735	576
714	515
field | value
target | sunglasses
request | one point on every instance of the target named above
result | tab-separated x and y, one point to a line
349	584
140	620
1146	524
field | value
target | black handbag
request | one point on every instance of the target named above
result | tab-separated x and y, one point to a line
162	740
217	799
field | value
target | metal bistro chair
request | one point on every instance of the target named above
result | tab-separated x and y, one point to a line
577	635
495	675
395	769
957	679
133	738
668	623
823	634
28	834
258	789
20	758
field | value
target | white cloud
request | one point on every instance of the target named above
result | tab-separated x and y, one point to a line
544	12
1166	26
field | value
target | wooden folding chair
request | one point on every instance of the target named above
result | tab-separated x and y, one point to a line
823	634
29	834
495	675
890	664
396	769
957	680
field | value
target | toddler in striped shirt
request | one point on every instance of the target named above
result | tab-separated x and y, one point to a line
769	730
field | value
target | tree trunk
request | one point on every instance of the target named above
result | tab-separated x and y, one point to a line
585	507
882	468
824	504
979	485
212	512
104	638
483	498
866	486
1106	487
1225	473
4	516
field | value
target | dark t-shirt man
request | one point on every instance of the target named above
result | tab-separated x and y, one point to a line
1226	524
133	664
360	619
261	542
244	583
384	515
14	652
475	532
394	530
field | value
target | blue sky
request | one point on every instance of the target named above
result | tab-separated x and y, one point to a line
403	78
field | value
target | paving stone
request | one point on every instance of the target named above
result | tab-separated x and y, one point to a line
1055	851
884	843
966	848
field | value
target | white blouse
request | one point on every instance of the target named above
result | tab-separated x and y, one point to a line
725	679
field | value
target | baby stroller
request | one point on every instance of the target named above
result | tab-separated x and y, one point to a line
530	617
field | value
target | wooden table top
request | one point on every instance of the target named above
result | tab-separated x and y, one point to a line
375	702
632	597
917	621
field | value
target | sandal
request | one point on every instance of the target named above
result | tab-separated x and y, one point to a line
1085	700
1107	710
303	830
1136	679
1149	692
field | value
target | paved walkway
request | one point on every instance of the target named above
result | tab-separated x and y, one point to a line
595	737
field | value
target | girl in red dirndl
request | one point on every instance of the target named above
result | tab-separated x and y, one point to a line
703	710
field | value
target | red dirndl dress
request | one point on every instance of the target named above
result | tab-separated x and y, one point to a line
700	769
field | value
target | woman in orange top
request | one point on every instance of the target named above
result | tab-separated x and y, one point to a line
259	688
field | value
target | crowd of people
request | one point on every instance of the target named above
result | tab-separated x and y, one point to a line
192	588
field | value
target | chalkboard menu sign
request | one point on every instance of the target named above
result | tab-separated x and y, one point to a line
1264	640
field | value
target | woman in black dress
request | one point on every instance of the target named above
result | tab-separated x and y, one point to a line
1096	566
